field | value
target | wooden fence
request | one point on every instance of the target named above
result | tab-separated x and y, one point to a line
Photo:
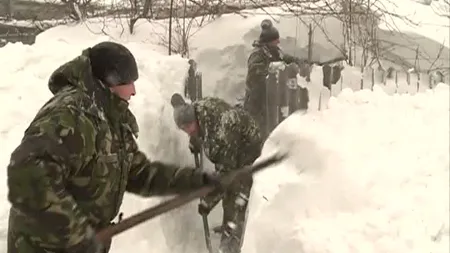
285	96
381	76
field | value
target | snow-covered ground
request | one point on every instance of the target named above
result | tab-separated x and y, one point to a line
425	18
368	174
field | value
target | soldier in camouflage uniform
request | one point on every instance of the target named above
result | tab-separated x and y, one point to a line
265	51
231	140
68	176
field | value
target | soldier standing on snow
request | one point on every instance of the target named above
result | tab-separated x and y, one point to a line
68	176
265	51
231	140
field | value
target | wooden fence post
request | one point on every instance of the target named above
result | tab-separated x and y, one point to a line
273	96
291	88
372	78
199	85
310	52
418	80
408	78
193	83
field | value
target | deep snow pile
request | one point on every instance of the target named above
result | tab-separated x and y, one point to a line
429	18
26	70
371	176
223	57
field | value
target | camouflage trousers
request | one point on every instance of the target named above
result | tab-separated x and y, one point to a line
235	209
258	112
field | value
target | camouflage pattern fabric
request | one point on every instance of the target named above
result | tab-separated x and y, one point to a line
231	140
258	69
76	159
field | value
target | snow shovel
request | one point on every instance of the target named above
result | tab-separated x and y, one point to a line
207	234
199	165
182	199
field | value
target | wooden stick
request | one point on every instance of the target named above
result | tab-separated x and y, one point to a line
180	200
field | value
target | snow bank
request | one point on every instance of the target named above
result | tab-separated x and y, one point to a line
222	58
26	70
430	20
370	174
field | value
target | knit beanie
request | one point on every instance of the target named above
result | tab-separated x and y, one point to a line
268	32
113	64
183	113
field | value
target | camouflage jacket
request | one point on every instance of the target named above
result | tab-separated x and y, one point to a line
230	137
257	71
76	160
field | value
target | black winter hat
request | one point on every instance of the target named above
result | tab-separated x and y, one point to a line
113	63
183	113
268	32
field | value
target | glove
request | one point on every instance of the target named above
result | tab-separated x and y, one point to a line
195	145
212	178
89	245
208	202
203	208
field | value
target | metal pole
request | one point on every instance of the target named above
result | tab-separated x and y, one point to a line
199	165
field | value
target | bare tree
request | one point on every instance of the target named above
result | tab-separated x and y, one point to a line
75	6
185	20
8	9
137	13
360	19
442	8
